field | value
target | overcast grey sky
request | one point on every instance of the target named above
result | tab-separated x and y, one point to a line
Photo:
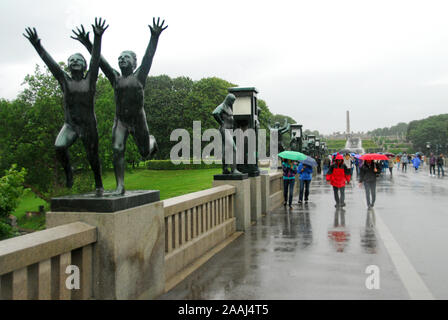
385	61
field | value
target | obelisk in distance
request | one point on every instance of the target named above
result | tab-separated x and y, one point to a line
348	124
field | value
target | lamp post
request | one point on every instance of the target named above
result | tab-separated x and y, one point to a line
428	147
311	140
296	137
245	114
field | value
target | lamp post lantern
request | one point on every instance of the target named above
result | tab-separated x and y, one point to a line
246	116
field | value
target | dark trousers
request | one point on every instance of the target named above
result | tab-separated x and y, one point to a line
288	184
339	191
370	191
304	185
440	167
432	169
404	167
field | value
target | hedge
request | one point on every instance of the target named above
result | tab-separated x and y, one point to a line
168	165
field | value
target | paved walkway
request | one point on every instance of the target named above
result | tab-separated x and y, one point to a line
314	251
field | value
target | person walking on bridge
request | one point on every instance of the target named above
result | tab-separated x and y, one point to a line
404	162
416	162
391	165
305	175
440	165
289	178
432	165
338	176
368	175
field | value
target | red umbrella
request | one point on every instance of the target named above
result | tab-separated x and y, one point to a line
374	156
389	154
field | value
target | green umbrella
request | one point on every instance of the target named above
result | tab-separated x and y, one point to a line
292	155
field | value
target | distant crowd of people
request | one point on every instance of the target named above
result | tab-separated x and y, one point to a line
338	170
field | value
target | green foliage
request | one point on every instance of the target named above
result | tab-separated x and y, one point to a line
11	190
335	144
369	144
433	129
396	130
175	103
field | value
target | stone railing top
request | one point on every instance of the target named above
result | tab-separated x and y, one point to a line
191	200
275	175
19	252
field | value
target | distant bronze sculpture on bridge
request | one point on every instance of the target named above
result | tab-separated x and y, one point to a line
280	132
223	114
78	98
130	117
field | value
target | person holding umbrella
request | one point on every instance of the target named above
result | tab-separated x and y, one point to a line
368	174
338	175
289	178
305	171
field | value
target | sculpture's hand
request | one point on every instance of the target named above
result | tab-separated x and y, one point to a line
99	28
31	35
157	28
82	36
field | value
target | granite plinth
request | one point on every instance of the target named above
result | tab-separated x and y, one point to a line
253	174
109	202
230	176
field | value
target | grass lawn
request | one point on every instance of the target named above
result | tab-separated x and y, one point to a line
171	183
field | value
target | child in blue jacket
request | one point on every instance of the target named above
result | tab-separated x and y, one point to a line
305	174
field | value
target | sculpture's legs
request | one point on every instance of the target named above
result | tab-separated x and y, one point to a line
119	137
225	165
91	146
234	169
66	137
146	143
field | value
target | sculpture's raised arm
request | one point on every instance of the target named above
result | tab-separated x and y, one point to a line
55	68
98	30
82	36
156	30
285	127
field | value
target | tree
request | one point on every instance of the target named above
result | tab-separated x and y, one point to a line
11	190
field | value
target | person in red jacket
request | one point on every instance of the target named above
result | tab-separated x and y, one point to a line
338	175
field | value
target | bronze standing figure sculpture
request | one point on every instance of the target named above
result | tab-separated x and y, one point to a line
223	114
280	132
78	98
130	117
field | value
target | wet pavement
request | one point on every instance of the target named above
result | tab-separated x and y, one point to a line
315	251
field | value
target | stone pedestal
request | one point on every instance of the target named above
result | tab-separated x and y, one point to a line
255	197
109	202
265	192
242	197
129	256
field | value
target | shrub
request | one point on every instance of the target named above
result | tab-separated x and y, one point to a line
11	190
168	165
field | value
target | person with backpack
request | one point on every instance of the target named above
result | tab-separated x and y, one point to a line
338	176
369	172
305	176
